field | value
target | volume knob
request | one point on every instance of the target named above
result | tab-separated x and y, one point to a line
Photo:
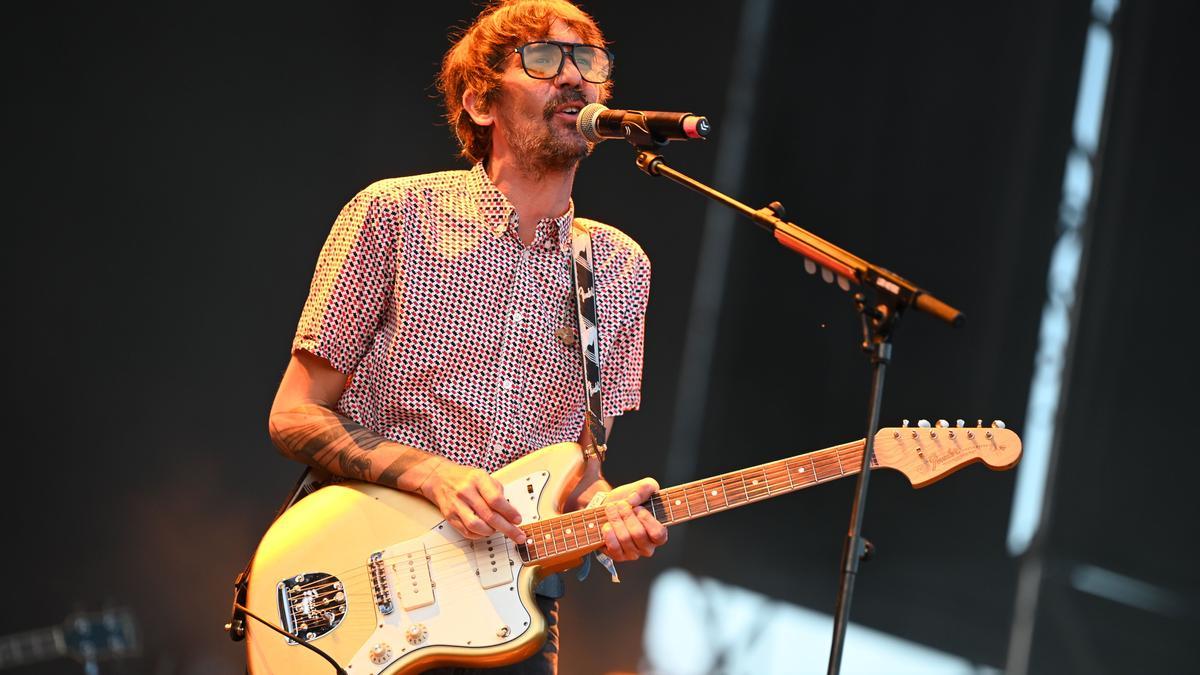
416	634
380	654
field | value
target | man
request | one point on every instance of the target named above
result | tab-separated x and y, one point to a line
435	345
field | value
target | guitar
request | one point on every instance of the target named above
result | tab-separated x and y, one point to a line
87	637
378	580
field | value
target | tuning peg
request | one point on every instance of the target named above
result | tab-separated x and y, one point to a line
959	423
979	423
810	266
827	275
924	424
997	424
943	424
904	423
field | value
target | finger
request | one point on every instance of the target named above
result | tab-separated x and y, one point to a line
493	494
641	491
625	548
502	525
654	529
476	527
495	522
637	531
456	522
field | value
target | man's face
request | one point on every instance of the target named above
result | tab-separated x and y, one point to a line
535	119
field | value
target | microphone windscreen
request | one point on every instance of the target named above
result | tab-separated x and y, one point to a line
586	121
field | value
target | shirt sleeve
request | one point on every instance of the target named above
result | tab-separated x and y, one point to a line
353	282
621	372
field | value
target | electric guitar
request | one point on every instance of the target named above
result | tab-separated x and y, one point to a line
376	579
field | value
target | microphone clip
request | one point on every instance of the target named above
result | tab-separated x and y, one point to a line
637	132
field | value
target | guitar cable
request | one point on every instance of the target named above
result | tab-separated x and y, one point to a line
299	640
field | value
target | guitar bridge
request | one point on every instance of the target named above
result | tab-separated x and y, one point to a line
379	584
311	604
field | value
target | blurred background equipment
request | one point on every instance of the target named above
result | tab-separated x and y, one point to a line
86	637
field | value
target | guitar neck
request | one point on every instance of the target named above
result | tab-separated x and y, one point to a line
578	532
31	647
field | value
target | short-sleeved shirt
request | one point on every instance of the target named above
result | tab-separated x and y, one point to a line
452	331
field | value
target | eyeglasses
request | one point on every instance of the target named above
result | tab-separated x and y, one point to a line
543	60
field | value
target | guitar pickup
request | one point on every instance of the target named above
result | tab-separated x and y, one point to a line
493	564
411	567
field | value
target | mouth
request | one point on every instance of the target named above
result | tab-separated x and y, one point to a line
568	110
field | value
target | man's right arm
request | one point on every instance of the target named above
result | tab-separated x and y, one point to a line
305	427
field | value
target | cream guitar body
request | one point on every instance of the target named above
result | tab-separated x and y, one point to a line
380	583
376	579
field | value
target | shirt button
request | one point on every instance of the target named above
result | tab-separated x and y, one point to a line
498	449
518	317
524	255
507	384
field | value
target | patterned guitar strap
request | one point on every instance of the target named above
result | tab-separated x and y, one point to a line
589	341
589	345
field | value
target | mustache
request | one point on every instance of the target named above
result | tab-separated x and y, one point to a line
574	96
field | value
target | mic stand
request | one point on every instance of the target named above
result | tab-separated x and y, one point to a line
890	294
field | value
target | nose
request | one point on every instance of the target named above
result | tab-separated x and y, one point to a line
569	74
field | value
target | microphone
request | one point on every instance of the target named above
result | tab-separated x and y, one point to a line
597	122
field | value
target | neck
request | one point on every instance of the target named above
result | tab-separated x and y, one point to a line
536	195
575	534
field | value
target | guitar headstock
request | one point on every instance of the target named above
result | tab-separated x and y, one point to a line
927	453
93	636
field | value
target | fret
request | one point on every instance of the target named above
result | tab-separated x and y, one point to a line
766	481
571	528
787	468
841	469
745	492
533	541
561	534
676	501
666	502
590	527
717	491
656	506
703	496
598	518
548	539
816	474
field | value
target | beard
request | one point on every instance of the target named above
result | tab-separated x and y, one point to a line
540	144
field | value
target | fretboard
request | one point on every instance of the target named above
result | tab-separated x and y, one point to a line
579	532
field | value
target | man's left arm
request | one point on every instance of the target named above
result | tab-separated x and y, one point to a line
631	531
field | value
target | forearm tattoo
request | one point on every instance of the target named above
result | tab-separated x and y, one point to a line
320	437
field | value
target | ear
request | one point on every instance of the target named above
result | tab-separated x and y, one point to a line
474	105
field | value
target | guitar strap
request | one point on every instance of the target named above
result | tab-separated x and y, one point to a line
589	336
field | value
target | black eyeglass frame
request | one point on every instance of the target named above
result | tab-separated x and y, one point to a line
566	49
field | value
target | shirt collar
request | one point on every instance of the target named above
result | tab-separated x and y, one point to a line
500	216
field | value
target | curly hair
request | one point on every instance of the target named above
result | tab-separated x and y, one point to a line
477	59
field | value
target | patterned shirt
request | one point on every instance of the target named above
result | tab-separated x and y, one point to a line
451	330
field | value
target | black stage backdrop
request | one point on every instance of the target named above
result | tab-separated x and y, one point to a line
171	172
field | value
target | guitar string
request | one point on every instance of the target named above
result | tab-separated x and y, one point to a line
537	529
772	471
819	461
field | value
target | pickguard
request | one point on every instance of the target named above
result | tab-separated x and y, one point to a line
450	591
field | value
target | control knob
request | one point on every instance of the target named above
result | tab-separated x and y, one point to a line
416	634
380	654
